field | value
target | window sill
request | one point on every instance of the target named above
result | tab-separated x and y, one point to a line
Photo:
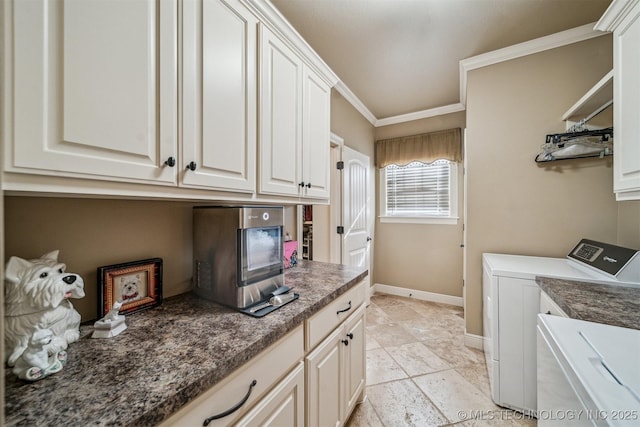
419	220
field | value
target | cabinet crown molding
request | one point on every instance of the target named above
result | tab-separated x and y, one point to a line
278	23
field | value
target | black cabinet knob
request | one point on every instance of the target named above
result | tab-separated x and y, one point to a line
350	335
301	184
192	166
345	342
171	162
369	238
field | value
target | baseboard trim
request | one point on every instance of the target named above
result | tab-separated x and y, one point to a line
421	295
474	341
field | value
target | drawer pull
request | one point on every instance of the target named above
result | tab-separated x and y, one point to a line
346	309
231	410
350	335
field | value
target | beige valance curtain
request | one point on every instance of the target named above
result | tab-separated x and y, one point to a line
426	148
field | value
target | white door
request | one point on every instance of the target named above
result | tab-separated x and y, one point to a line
356	209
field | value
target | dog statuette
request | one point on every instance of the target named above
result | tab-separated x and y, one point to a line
38	314
111	324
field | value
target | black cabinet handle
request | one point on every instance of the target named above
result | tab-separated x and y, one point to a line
350	335
231	410
548	311
345	342
301	184
346	309
192	166
171	162
308	185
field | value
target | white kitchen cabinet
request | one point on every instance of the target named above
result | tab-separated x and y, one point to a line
548	306
336	373
623	18
316	133
219	44
294	123
90	89
283	406
268	397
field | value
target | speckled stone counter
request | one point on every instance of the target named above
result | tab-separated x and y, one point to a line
612	305
168	356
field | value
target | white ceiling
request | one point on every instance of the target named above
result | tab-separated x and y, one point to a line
402	56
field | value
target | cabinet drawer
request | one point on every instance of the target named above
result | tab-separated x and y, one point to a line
266	369
548	306
322	323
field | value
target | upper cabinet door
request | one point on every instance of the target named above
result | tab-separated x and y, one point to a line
94	89
316	134
626	82
280	117
623	18
219	95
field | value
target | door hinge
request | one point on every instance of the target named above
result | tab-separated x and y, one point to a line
340	165
340	230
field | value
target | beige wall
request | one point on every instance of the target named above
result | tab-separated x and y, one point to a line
424	257
92	233
629	224
514	204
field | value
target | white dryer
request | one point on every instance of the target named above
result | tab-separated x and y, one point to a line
511	303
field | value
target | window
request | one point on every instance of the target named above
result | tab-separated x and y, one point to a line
419	192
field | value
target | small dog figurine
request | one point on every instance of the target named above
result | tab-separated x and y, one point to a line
37	296
35	363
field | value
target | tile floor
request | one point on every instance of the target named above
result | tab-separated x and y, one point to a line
420	373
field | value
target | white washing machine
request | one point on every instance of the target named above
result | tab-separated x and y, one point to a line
589	374
511	303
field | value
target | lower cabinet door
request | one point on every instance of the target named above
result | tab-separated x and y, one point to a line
324	395
355	365
283	406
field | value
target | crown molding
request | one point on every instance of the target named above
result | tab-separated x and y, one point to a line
417	115
278	23
615	14
344	90
563	38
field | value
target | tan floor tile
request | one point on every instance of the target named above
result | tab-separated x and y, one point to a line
417	359
375	315
390	334
371	343
364	416
402	404
477	375
416	349
382	368
455	352
453	395
424	329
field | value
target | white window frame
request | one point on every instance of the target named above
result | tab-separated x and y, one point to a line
452	219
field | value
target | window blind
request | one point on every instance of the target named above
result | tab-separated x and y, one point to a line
418	189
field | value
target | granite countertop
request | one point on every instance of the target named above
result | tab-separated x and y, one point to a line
593	302
168	356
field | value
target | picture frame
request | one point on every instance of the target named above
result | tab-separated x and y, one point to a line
137	284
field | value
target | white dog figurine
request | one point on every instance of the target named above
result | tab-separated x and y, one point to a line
35	363
37	296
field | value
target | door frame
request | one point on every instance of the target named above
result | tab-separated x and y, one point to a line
335	201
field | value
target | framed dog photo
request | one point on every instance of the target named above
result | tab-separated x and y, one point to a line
137	284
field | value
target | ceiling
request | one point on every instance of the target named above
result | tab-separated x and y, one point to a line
402	56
